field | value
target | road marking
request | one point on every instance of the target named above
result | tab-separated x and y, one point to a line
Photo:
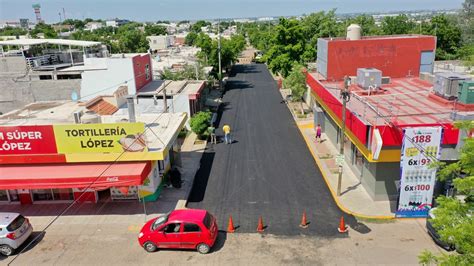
252	202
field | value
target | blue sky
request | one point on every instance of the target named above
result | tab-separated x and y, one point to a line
152	10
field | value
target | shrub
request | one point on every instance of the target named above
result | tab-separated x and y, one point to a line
199	124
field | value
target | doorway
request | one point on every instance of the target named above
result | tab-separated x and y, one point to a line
103	195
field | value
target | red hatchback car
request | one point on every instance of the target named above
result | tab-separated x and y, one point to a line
184	229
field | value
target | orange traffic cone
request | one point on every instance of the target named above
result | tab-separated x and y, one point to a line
342	226
260	228
230	227
304	222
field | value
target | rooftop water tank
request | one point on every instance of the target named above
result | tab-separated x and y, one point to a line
354	32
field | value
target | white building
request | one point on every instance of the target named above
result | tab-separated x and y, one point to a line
92	26
116	22
161	41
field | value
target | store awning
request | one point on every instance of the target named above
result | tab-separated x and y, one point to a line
95	175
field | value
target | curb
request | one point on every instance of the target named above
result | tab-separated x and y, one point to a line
333	194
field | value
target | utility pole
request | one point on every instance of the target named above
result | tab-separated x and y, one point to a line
345	96
219	53
165	101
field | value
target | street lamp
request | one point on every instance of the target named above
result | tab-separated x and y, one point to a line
345	96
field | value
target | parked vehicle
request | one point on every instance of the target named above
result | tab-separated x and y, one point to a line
14	230
181	229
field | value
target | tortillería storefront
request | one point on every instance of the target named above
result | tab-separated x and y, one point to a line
85	162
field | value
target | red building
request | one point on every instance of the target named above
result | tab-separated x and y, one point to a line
396	56
377	115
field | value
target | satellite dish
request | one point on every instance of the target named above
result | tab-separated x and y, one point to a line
74	96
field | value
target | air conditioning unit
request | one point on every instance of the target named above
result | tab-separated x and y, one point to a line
369	78
446	84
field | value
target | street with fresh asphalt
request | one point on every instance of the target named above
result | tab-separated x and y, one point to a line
267	171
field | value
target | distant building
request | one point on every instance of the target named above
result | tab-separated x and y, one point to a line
92	26
116	22
160	42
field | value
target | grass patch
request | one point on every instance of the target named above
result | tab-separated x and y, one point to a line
198	141
325	156
374	220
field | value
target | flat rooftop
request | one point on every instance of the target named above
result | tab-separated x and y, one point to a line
408	101
383	37
160	130
42	113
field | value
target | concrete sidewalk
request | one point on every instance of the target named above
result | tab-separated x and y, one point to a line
354	198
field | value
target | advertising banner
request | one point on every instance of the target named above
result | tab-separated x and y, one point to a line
421	147
100	138
27	140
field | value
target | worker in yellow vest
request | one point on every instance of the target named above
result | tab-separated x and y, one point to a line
227	137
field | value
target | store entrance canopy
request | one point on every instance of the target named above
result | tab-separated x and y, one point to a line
93	175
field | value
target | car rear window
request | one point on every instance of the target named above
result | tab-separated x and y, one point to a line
17	223
207	220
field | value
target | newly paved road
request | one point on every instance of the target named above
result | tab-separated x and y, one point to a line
268	170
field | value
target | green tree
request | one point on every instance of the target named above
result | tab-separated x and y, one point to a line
199	124
454	216
11	31
133	41
321	25
190	38
289	46
46	29
466	53
366	22
155	30
196	27
400	24
466	21
296	82
76	23
448	35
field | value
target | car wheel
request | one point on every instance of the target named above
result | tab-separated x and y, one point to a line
203	248
6	250
150	246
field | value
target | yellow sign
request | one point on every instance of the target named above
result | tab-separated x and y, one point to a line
100	138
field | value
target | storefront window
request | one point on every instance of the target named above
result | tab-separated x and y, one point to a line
3	195
52	194
14	195
63	194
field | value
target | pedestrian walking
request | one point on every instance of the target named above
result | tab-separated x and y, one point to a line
227	136
212	133
318	133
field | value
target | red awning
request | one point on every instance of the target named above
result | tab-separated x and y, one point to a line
100	175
